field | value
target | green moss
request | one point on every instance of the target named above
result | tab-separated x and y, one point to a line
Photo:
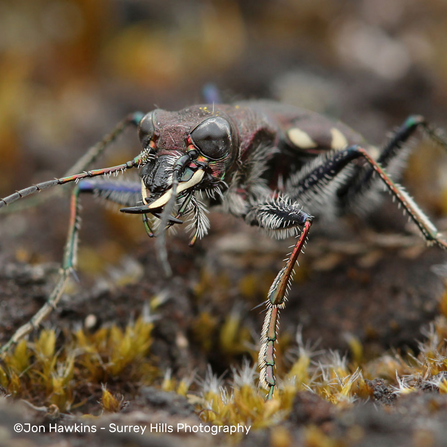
38	372
63	378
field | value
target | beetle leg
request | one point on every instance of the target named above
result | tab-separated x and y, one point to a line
81	165
68	266
98	149
121	192
392	158
134	163
319	177
428	230
279	214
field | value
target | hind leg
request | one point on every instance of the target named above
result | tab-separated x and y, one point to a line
358	192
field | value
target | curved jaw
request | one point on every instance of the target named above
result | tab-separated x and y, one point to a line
156	206
183	186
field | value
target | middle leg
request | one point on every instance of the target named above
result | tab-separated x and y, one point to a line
327	173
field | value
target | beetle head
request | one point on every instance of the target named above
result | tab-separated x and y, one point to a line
190	150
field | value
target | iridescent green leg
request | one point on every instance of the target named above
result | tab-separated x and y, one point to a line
147	226
68	266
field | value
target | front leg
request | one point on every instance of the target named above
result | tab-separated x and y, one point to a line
278	215
68	266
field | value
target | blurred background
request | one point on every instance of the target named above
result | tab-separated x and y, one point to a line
71	69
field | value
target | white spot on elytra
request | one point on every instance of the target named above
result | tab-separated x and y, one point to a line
374	152
301	139
339	141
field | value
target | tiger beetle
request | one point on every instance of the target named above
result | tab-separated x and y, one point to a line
268	163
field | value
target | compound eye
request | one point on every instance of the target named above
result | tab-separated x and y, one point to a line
213	138
146	129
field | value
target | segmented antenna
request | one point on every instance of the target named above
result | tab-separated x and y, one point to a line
135	163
